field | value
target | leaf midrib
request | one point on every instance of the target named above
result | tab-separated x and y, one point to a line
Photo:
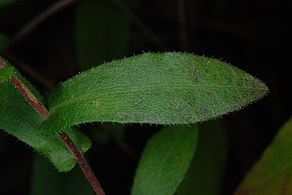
145	88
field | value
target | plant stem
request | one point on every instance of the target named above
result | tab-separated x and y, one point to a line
28	70
39	107
42	110
82	163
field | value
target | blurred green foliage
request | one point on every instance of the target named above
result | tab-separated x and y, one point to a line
101	33
205	175
256	40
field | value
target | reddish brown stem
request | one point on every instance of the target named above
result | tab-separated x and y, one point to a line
82	163
28	70
42	110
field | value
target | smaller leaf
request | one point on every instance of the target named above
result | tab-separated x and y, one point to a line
165	161
19	119
208	165
272	174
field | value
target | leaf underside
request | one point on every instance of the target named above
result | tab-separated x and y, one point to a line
165	160
19	119
154	88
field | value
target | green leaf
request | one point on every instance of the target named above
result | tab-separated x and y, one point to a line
208	165
101	33
155	88
19	119
165	161
47	181
272	174
6	73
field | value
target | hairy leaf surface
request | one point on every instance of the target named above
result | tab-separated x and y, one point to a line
272	174
6	72
165	160
19	119
155	88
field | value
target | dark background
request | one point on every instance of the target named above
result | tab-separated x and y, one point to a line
252	35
